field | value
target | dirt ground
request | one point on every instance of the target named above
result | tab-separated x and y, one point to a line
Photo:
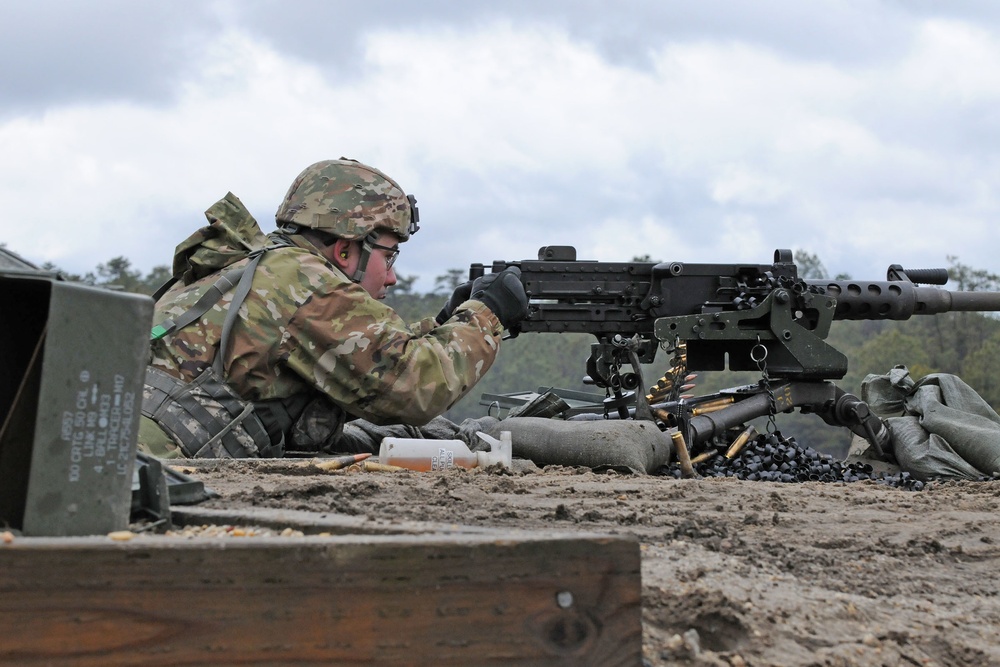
734	572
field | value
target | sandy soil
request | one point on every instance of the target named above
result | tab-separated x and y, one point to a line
734	572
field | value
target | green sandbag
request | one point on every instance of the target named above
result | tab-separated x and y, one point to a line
952	410
940	426
926	455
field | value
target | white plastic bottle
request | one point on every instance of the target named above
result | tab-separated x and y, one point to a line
426	455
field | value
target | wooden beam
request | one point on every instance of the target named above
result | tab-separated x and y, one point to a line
315	523
467	599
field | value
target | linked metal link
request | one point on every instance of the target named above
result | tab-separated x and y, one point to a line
758	354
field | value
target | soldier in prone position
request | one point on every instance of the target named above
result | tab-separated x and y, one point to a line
274	351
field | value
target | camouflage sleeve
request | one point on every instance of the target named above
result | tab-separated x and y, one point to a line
423	326
361	354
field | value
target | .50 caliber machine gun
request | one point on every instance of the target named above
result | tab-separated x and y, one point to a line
761	317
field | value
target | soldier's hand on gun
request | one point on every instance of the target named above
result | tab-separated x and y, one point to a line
504	294
457	298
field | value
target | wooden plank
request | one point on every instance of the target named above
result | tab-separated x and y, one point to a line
314	523
571	599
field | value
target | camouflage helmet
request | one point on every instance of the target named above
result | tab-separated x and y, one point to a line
349	200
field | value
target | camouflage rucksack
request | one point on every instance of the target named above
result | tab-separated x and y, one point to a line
207	416
230	235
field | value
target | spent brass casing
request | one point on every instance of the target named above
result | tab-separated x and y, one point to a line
667	418
704	456
683	458
740	440
371	466
663	415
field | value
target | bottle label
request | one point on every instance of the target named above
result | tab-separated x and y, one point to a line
445	459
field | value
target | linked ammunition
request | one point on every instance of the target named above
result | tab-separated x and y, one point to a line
711	406
664	383
662	387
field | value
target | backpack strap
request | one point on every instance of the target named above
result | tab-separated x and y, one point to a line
242	289
242	276
211	296
162	289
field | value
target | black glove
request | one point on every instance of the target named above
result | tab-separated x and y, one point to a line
458	297
504	294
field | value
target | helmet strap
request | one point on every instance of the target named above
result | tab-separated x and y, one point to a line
366	253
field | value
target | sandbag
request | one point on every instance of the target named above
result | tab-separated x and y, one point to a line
885	394
926	455
944	428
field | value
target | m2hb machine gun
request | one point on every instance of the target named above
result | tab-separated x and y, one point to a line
758	317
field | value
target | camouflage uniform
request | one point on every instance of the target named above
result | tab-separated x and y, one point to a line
311	339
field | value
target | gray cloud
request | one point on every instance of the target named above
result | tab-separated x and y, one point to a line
64	52
687	131
121	49
624	32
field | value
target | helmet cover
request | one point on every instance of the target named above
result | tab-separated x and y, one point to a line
349	200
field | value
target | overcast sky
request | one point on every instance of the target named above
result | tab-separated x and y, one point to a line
866	132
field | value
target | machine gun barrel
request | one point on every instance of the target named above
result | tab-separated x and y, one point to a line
899	299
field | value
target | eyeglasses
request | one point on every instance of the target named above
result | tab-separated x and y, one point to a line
391	253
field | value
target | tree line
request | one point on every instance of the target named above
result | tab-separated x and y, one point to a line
964	344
